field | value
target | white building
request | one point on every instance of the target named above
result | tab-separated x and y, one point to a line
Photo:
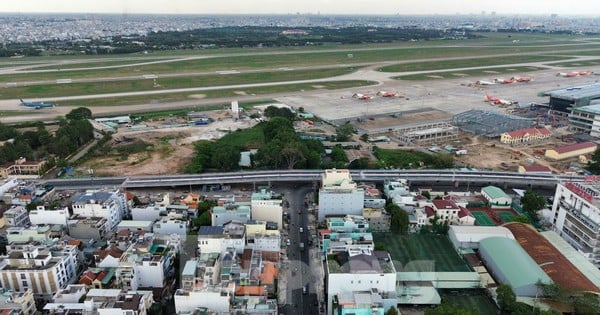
339	195
216	239
576	213
21	235
109	205
230	212
265	208
149	213
41	215
349	223
42	269
468	237
270	241
496	197
360	271
201	286
167	227
134	225
70	294
16	216
106	302
21	303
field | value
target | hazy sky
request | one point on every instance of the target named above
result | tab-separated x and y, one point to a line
561	7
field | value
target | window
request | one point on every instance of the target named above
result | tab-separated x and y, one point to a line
22	276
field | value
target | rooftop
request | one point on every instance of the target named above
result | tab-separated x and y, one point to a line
557	266
494	192
92	197
574	147
576	92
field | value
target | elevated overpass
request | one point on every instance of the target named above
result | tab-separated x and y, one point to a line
441	177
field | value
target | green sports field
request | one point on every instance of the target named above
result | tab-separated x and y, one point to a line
506	216
483	219
421	252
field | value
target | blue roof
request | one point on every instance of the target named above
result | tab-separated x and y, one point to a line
210	230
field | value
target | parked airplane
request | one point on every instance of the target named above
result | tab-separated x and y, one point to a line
482	82
37	105
363	97
387	94
568	74
523	79
497	101
504	81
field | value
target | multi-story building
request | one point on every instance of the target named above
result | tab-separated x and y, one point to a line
266	208
21	303
348	223
216	239
379	220
334	242
41	215
21	235
339	195
88	228
106	302
576	217
22	168
150	213
585	119
523	136
102	204
16	216
70	294
357	272
167	227
230	212
201	286
42	269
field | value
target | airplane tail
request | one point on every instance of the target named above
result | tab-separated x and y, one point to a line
486	97
21	100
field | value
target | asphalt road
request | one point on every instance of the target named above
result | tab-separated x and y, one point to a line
300	272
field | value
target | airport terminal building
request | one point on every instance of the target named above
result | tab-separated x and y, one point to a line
567	99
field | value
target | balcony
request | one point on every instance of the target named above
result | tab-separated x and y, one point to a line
586	225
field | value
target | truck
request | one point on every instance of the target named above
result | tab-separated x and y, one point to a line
302	246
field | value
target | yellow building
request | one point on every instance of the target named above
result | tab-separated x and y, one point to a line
22	168
572	150
525	135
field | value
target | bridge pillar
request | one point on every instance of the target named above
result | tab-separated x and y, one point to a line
456	184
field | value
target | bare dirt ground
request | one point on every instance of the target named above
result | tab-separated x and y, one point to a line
484	153
169	149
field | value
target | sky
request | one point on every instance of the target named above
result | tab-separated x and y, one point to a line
561	7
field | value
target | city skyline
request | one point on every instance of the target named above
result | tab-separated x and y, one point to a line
425	7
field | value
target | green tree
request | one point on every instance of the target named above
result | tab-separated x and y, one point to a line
225	158
338	154
364	137
532	202
359	164
521	218
284	112
203	220
426	194
392	311
399	218
275	126
292	154
344	132
506	297
594	164
79	113
448	309
587	303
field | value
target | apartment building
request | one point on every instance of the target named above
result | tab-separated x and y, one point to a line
576	217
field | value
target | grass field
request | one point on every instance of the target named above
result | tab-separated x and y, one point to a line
418	252
474	300
175	97
483	219
468	73
51	90
581	63
506	216
260	59
467	63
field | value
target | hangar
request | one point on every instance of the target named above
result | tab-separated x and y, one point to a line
489	123
567	99
508	262
465	237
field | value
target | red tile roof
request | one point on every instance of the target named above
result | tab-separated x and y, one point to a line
269	274
537	168
430	212
464	212
530	131
444	204
250	290
574	147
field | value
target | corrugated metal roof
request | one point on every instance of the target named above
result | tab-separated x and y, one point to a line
576	92
494	192
574	147
514	263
